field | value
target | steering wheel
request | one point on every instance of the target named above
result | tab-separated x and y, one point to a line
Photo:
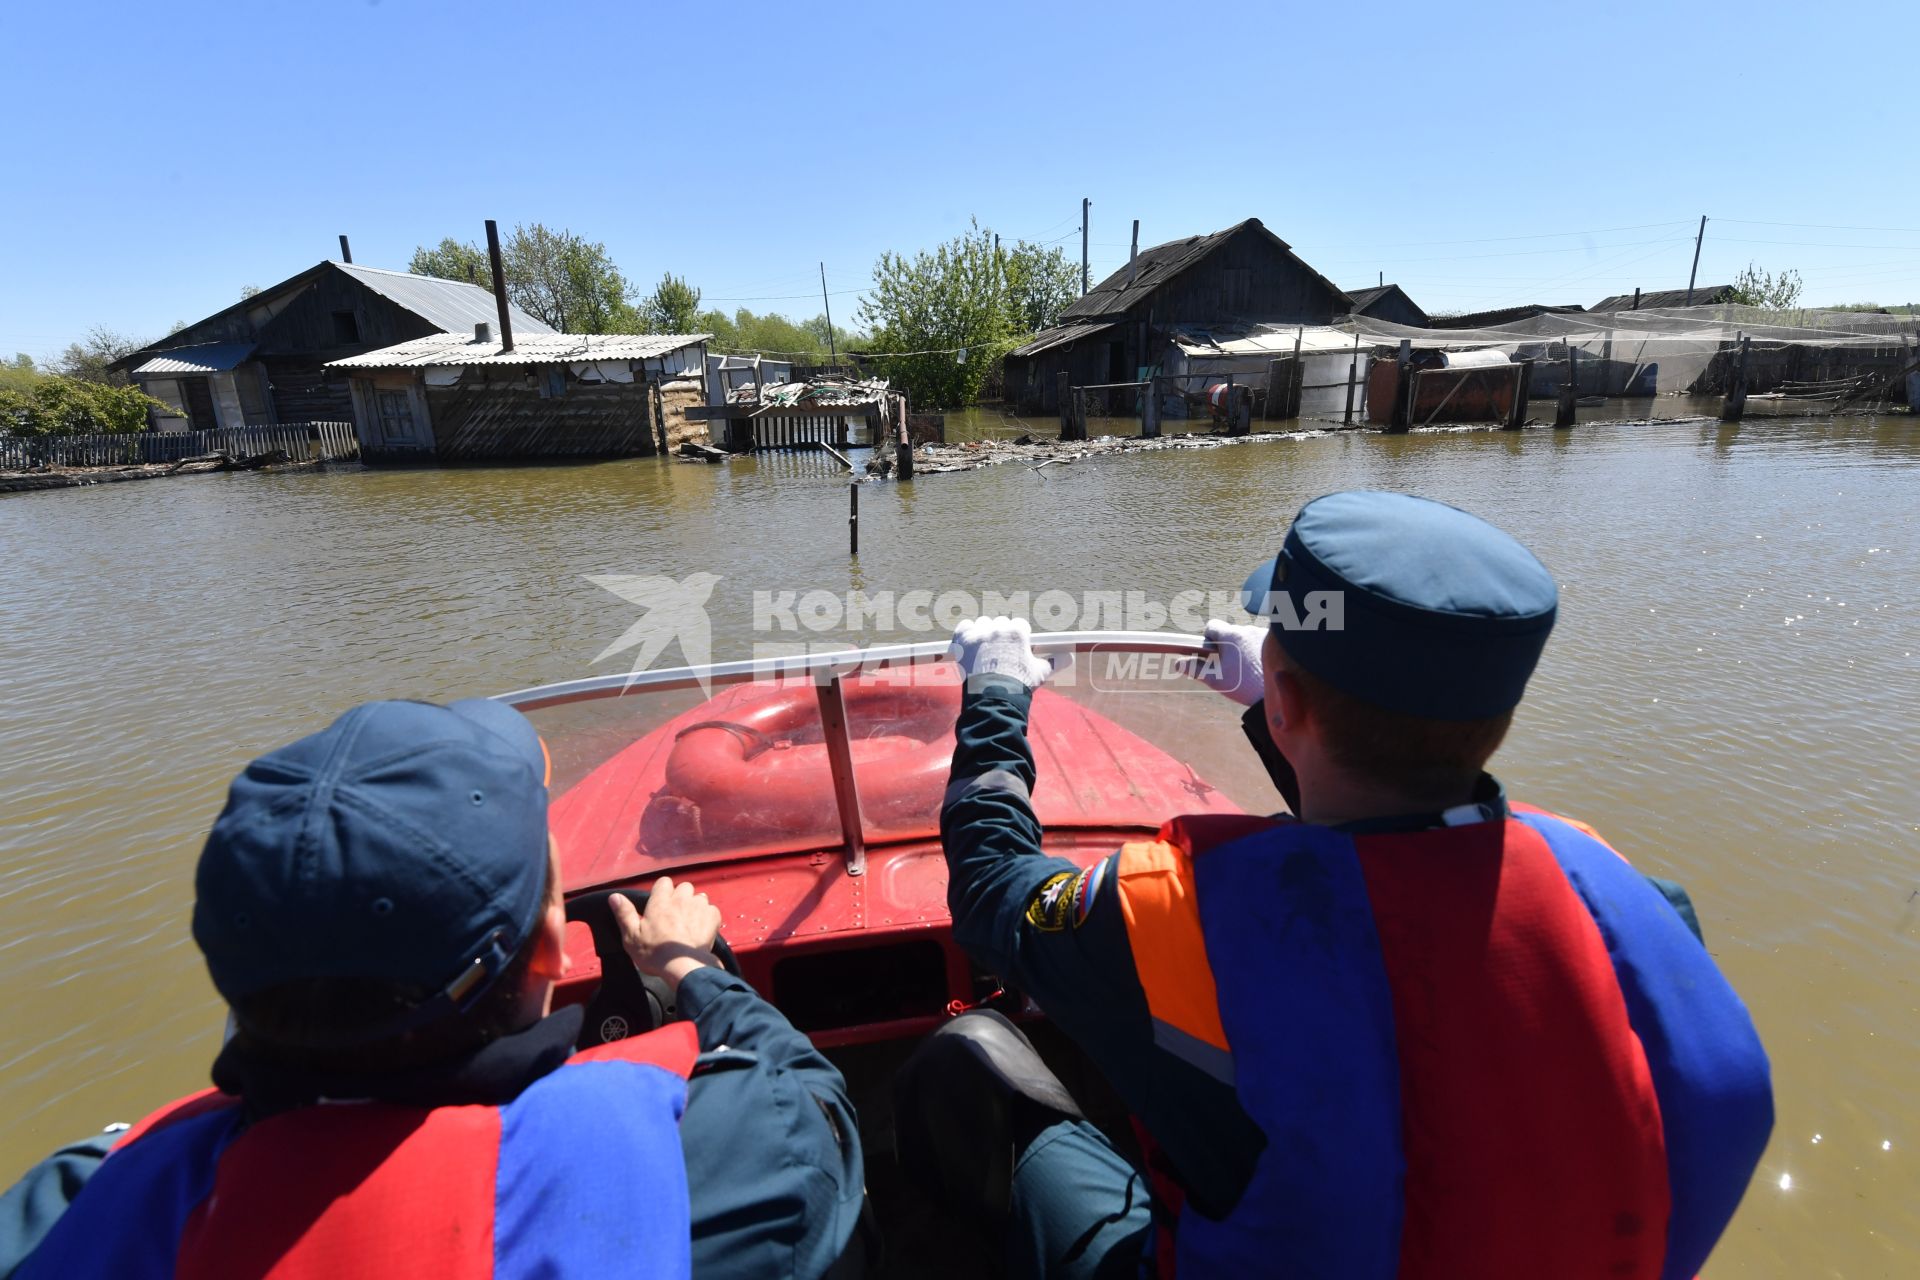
627	1002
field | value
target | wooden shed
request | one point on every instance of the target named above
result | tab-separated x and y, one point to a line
262	361
1244	274
452	399
1388	302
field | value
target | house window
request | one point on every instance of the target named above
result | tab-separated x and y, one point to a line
346	327
396	416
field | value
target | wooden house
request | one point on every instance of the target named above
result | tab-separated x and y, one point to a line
1388	302
454	398
262	361
1242	275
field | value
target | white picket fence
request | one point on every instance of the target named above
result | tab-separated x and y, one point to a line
301	442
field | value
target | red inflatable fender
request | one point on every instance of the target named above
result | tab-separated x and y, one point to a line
764	767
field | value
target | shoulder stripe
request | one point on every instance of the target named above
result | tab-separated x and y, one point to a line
1155	883
993	780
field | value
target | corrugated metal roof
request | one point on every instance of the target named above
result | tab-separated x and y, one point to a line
208	357
453	305
1151	268
1704	295
1048	339
448	349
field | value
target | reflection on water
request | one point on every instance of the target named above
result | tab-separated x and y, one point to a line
1731	697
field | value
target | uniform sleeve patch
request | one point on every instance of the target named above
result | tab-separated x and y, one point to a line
1052	904
1086	888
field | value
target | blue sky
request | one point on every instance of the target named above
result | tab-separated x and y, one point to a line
162	157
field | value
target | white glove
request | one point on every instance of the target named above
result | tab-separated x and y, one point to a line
1234	667
1002	647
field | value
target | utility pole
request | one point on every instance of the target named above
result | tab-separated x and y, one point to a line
833	354
1086	281
1696	258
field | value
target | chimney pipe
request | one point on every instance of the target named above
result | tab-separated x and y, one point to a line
499	285
346	254
483	332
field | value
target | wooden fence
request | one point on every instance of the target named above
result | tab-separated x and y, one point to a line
329	441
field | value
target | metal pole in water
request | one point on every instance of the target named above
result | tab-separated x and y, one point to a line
833	354
853	518
1696	260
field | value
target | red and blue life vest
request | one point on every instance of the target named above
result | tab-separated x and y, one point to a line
1488	1049
580	1175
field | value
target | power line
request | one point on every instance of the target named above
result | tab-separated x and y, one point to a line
778	297
1542	235
1815	226
1819	244
1525	253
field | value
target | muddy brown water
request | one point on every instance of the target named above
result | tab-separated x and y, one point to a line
1731	696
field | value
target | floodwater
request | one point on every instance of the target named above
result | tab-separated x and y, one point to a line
1731	697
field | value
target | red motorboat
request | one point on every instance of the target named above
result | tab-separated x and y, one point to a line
803	796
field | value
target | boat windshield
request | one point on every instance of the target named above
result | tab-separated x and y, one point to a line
835	753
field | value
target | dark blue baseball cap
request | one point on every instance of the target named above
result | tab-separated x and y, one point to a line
405	843
1408	604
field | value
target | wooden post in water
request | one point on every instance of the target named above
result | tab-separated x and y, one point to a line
903	445
1522	387
1239	411
853	518
1402	413
1276	388
1353	377
1150	410
1563	409
1734	407
1064	401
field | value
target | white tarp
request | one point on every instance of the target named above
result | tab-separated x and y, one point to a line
604	371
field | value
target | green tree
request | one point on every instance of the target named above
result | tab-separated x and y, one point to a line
55	406
940	319
1040	284
21	375
801	342
558	277
453	260
1756	288
568	281
672	307
88	359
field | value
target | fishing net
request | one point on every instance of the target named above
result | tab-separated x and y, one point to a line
1674	361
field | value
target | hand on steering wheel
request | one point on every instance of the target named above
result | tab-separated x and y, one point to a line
646	942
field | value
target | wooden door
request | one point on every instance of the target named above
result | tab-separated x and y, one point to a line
198	394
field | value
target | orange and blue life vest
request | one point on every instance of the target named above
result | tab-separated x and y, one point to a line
1489	1048
579	1175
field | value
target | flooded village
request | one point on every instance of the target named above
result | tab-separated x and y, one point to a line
1223	334
682	404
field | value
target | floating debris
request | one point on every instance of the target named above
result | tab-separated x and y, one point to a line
1035	452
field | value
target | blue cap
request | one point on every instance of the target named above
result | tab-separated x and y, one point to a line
1408	604
404	843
